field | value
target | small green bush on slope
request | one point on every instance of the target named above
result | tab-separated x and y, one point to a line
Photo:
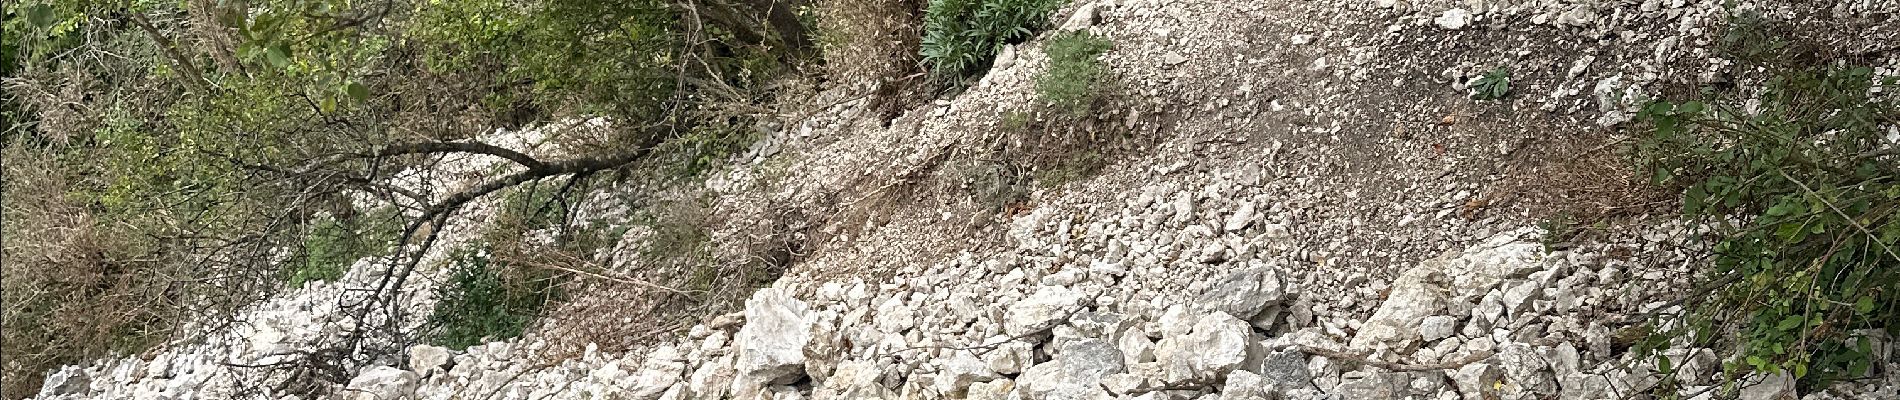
1803	190
962	37
1075	81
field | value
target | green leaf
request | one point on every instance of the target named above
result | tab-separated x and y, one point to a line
1791	322
1690	107
1692	201
1865	305
1663	365
357	91
279	55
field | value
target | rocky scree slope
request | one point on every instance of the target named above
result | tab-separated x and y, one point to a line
1322	213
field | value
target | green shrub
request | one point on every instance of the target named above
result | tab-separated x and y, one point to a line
962	37
1073	83
328	251
331	246
1814	260
486	299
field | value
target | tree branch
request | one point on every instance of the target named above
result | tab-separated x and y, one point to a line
459	147
179	62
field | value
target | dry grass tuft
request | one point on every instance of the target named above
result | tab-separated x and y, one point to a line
75	287
1581	181
872	47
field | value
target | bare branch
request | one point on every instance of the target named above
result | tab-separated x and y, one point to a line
459	147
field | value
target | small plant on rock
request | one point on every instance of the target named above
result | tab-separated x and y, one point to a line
1493	85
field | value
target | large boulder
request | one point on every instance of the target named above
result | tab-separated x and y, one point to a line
1075	374
771	345
383	383
1041	310
1216	345
1243	293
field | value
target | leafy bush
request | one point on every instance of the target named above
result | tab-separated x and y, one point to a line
563	55
1073	83
1813	261
486	300
962	37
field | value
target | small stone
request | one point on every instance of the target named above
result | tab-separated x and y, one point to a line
1524	370
1084	17
1009	358
992	390
383	382
1286	370
1246	385
1216	345
1241	217
1478	381
1437	327
1772	387
1453	19
1123	383
960	371
771	345
1075	373
1173	58
1418	293
1374	386
1520	298
424	359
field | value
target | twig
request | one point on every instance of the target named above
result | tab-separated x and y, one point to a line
1837	210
